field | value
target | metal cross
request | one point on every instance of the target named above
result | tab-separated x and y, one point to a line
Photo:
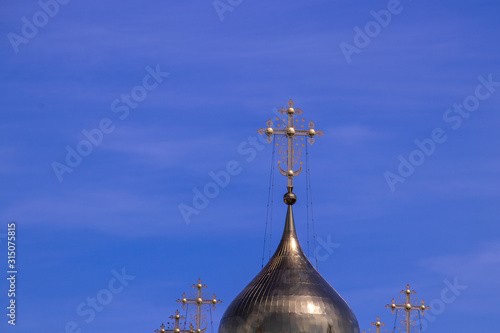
289	133
199	300
176	329
161	330
377	325
407	306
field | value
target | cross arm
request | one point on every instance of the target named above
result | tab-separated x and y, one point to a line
186	300
302	132
310	132
395	306
271	131
278	131
411	307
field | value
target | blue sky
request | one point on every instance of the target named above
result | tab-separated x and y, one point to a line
405	180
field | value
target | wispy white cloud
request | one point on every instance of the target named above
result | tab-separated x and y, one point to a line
480	267
102	210
353	134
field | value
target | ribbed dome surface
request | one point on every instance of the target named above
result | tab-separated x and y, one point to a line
288	295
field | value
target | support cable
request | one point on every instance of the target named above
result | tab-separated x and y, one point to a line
395	321
308	181
211	321
307	200
270	196
420	321
186	316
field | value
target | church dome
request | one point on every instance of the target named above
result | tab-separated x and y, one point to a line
289	296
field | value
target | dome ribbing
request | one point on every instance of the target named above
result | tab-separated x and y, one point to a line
288	295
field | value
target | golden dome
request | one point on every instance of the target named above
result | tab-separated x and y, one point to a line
288	295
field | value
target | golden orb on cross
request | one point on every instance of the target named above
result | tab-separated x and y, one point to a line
290	111
161	330
290	198
378	324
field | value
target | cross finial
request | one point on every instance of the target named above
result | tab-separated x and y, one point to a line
409	305
199	299
175	326
161	330
378	324
290	132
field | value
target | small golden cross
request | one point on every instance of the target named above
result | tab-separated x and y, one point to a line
161	330
199	300
378	324
176	329
408	306
292	135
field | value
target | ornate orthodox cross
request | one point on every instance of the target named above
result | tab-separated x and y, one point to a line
290	133
176	329
378	324
408	306
199	299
